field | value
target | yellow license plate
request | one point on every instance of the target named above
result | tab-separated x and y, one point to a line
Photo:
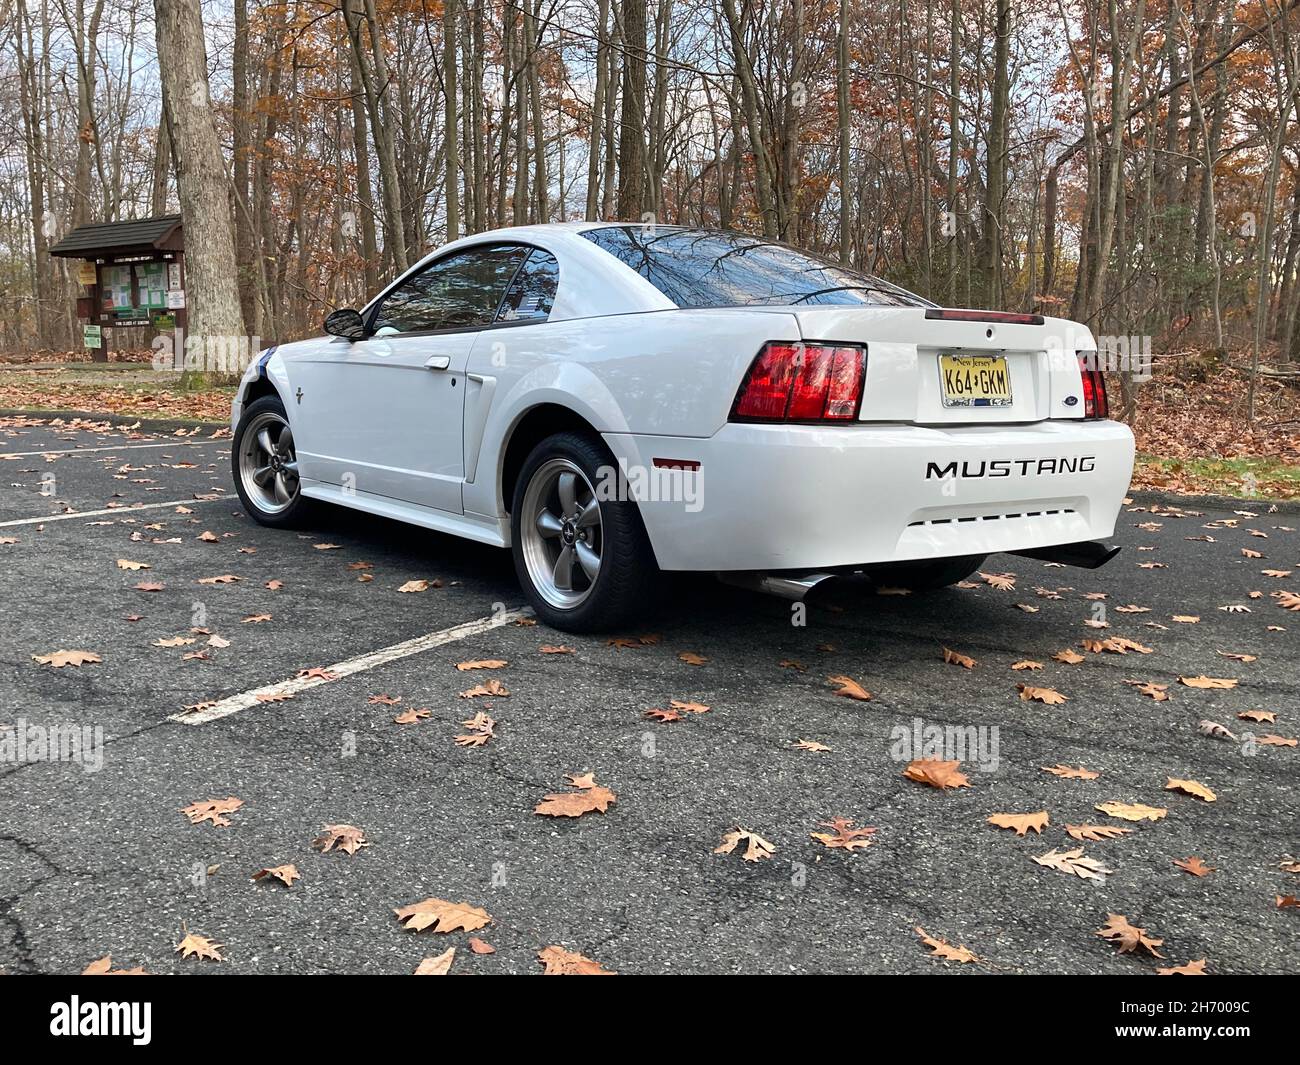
975	380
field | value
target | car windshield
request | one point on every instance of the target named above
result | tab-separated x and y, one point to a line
711	268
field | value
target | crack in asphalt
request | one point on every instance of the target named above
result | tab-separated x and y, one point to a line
9	904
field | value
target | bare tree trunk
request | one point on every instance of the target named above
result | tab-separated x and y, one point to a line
1123	56
468	131
29	93
953	229
749	94
925	155
365	192
995	183
373	68
243	150
842	122
450	119
211	295
1288	301
658	112
541	183
796	98
86	37
1208	202
597	114
1286	69
607	185
162	164
631	141
263	188
476	120
503	174
519	49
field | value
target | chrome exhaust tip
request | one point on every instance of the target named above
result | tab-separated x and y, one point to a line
792	588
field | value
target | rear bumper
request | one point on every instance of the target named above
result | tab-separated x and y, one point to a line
792	497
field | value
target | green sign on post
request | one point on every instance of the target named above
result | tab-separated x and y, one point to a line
91	336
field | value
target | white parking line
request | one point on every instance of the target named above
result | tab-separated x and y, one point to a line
91	450
293	685
113	510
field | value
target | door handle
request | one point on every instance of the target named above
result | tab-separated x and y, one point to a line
438	362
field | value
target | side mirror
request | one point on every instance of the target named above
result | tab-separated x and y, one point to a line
346	323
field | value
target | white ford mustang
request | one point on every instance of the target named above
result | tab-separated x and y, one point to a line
610	400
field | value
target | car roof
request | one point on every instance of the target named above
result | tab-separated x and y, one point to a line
571	227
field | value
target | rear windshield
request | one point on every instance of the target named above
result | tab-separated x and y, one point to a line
711	268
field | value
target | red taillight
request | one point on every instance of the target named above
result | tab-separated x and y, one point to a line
1094	386
944	314
766	391
844	396
802	383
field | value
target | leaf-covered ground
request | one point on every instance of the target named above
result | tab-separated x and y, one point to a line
719	790
1193	434
127	389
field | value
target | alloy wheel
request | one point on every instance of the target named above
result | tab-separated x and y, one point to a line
268	465
561	533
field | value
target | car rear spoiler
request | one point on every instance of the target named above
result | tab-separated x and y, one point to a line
948	314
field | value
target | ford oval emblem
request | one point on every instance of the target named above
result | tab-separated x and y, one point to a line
1070	401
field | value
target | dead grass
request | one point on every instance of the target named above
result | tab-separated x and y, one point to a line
1193	435
129	391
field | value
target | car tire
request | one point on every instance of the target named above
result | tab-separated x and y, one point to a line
262	493
927	575
608	576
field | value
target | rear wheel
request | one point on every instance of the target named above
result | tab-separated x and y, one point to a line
926	575
266	465
584	562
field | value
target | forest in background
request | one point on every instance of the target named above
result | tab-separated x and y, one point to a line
1132	164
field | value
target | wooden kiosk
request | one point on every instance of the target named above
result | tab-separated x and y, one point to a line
132	276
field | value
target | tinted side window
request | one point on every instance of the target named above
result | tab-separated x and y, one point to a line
459	291
713	268
532	293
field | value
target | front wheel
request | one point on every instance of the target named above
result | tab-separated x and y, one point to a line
266	465
584	561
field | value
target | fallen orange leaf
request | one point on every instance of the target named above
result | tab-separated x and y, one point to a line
1127	937
1194	866
439	915
941	948
936	773
756	847
850	689
561	962
1022	823
588	798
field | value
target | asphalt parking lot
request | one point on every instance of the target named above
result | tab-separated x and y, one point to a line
98	859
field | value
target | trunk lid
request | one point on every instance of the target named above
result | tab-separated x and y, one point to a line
905	377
